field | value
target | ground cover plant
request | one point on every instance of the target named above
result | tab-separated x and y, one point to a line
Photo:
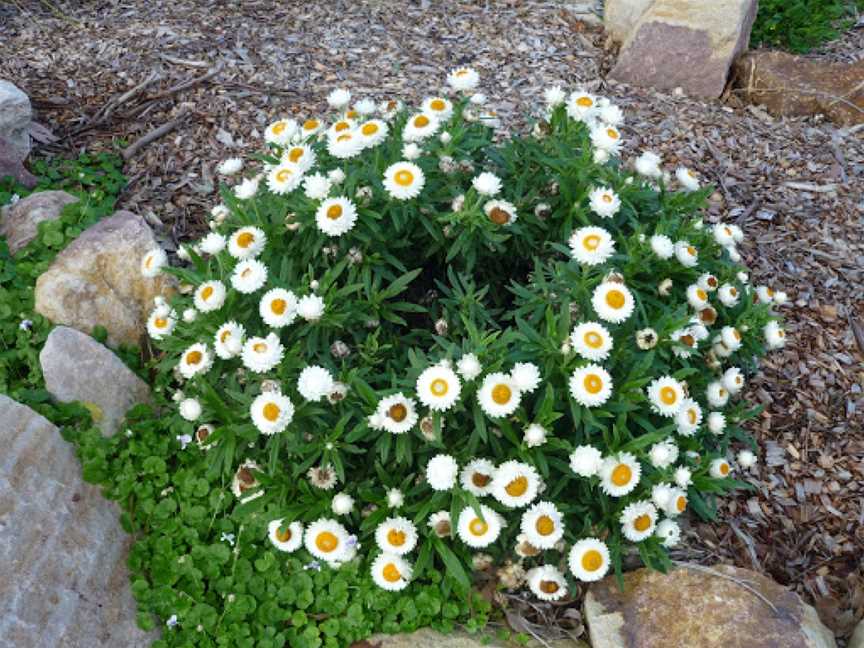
801	25
409	350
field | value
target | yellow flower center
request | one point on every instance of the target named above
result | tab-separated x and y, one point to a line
282	175
593	339
310	124
160	322
607	198
701	294
736	334
396	537
224	336
478	527
391	573
642	523
205	294
334	211
245	239
668	395
733	291
340	126
344	137
480	480
439	387
421	121
692	416
548	587
501	394
681	503
369	129
326	542
283	535
545	525
259	347
612	133
724	469
691	250
279	128
437	104
194	357
271	412
517	487
404	178
592	560
352	114
278	306
461	73
622	475
585	102
615	299
591	242
398	412
593	383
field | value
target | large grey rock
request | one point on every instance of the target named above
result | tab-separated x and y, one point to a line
620	16
63	576
681	43
15	115
692	607
19	223
428	638
77	368
96	280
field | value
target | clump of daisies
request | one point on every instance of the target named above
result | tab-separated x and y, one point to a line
418	349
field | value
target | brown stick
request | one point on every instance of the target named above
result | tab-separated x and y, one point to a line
155	134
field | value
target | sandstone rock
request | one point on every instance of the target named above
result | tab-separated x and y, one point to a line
428	638
15	114
63	577
680	43
77	368
620	16
97	280
12	164
20	221
687	608
789	85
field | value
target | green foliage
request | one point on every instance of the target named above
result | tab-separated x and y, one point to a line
801	25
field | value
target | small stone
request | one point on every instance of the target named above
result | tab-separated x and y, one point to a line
96	280
12	164
77	368
19	223
15	115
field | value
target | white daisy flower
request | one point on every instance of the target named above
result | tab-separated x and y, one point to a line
592	341
247	243
326	540
666	395
591	245
746	459
648	165
542	525
262	354
676	502
613	302
717	394
724	235
278	307
586	461
707	282
662	246
663	454
463	79
314	383
280	132
336	216
336	176
498	396
688	418
339	98
733	380
581	106
534	435
391	572
660	494
299	157
229	167
697	297
775	337
342	504
554	96
469	367
683	477
410	151
310	127
209	296
247	188
438	388
716	423
591	385
419	127
487	184
395	499
397	414
589	560
441	472
196	359
646	338
190	315
345	145
606	138
249	276
765	294
687	255
476	531
396	535
687	178
619	474
161	323
228	341
271	412
373	132
440	523
500	212
316	186
285	537
547	583
438	107
611	115
719	468
284	178
365	106
404	180
310	308
213	243
669	532
152	262
638	521
515	484
604	202
731	338
476	477
190	409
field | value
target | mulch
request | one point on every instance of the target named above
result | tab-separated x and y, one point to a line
103	72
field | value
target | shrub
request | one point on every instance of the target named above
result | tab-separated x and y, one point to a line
406	351
801	25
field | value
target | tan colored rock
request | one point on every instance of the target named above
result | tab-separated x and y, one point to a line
620	16
689	607
427	638
97	280
857	640
686	44
19	222
63	576
788	85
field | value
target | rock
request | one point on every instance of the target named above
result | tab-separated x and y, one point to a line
788	85
687	608
691	45
428	638
857	640
620	16
12	164
20	221
97	280
77	368
15	115
63	577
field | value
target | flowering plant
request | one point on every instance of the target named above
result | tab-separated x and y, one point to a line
412	346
